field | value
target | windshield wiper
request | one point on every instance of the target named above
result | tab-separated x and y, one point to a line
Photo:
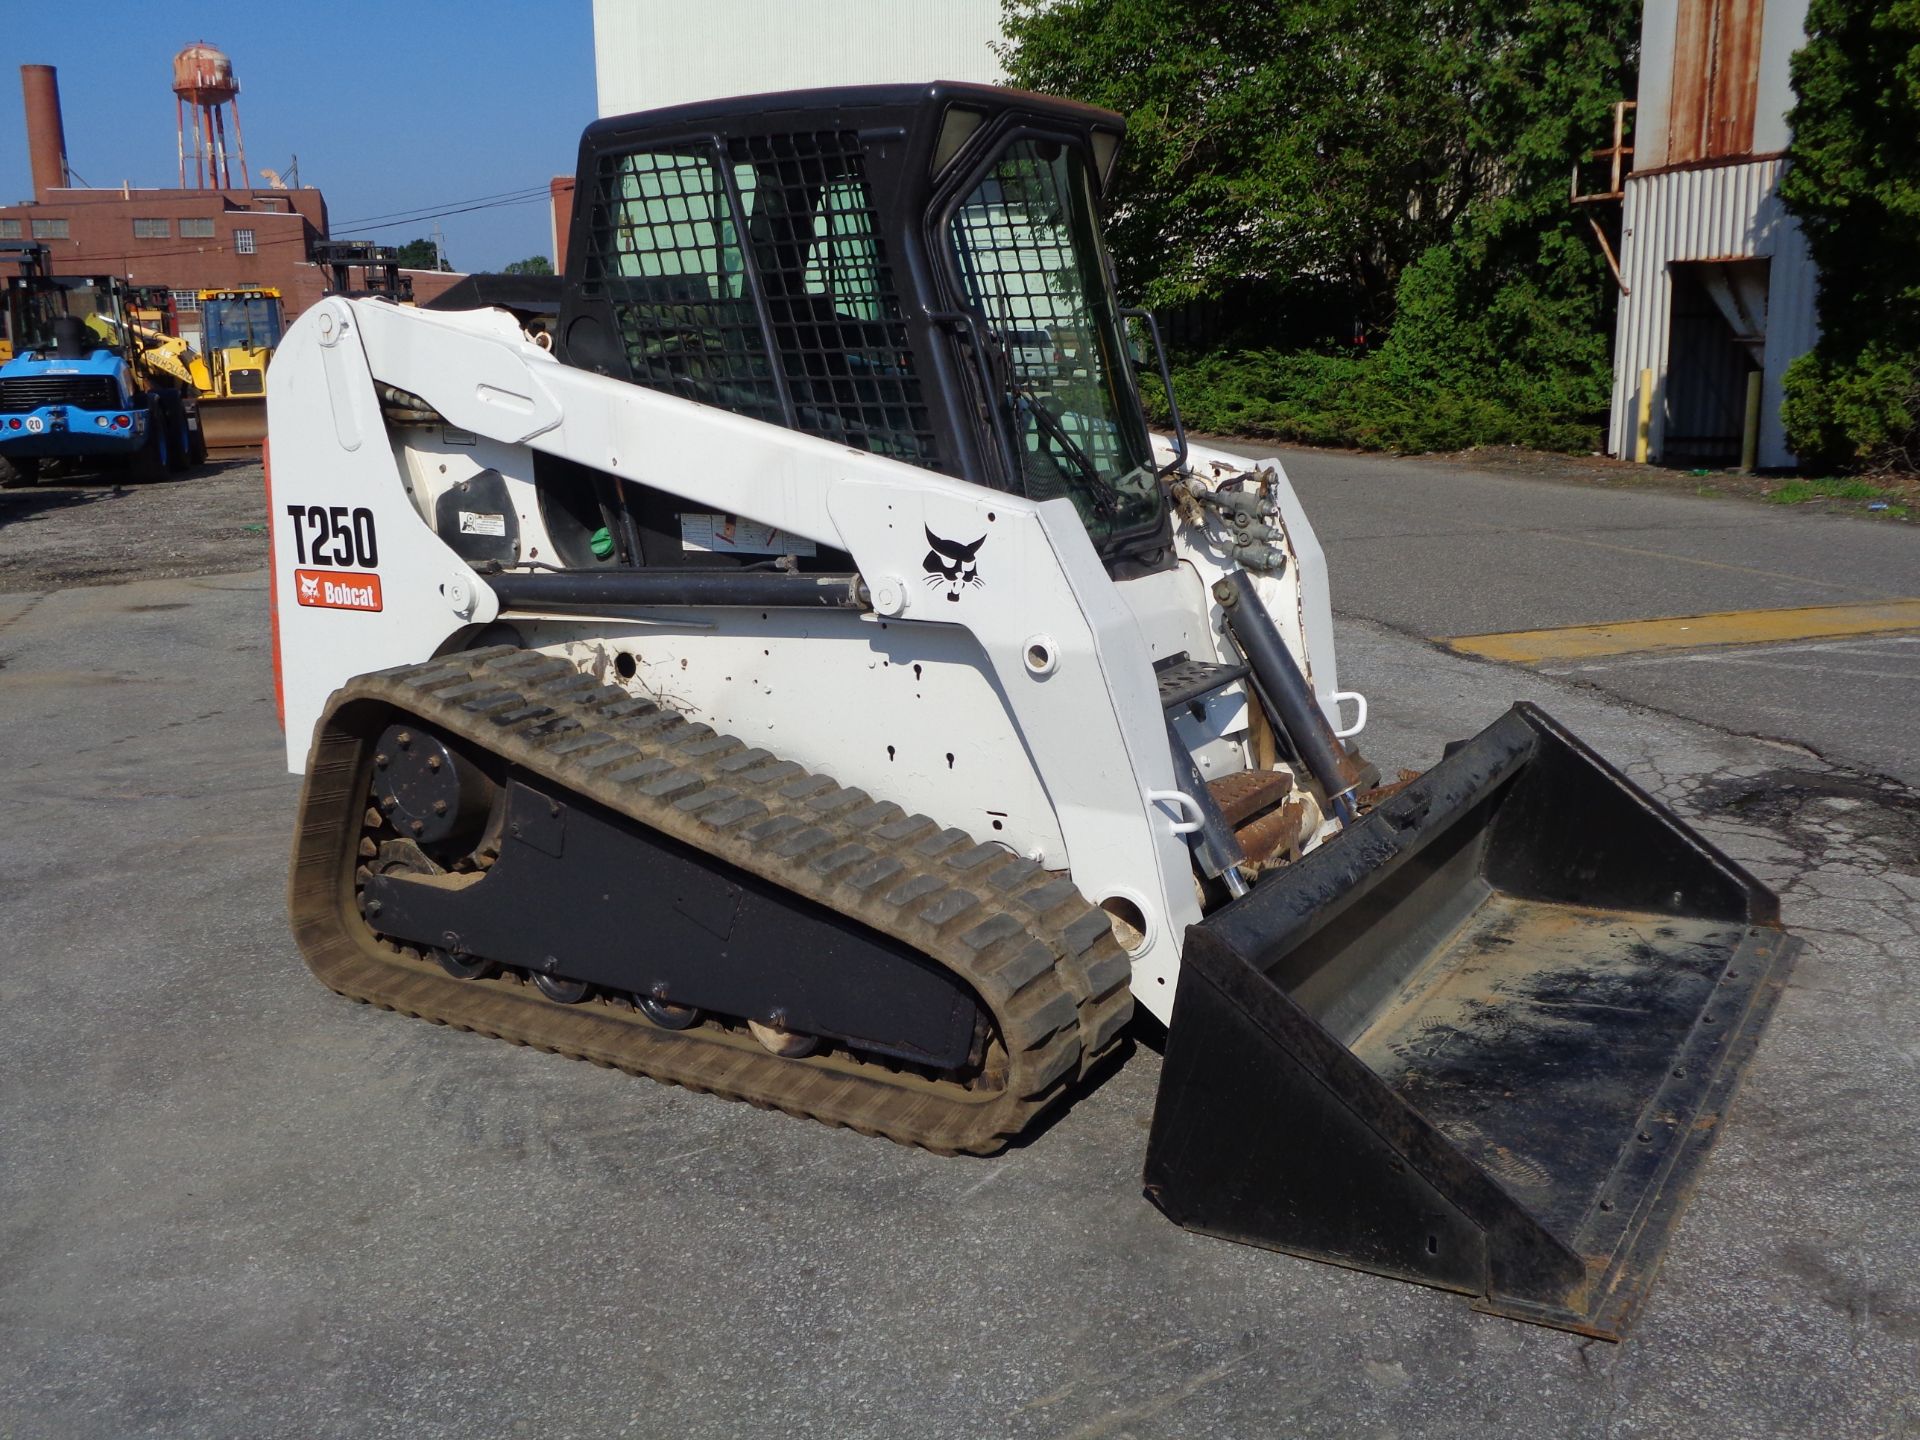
1106	500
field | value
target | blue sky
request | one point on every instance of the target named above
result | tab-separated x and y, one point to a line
397	107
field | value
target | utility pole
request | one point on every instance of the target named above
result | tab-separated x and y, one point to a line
439	254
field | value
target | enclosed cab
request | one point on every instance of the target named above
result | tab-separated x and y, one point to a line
238	332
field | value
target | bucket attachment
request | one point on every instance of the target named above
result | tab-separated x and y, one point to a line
1482	1040
234	425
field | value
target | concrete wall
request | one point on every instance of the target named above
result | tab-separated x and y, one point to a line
648	54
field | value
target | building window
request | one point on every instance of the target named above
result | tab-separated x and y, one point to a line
152	230
196	229
243	242
9	229
50	230
185	301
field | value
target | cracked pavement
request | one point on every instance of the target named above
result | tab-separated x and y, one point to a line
234	1204
1789	1302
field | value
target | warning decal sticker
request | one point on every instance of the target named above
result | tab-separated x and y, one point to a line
730	535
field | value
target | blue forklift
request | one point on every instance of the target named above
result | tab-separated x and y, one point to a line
90	385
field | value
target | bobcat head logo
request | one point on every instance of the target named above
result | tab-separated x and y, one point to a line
309	587
951	564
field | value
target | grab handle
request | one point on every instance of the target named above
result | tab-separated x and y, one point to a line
1360	712
1185	804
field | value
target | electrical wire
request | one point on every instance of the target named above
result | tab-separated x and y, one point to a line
436	214
529	192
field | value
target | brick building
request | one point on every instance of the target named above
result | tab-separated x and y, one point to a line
186	240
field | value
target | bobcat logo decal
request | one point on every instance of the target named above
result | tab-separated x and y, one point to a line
952	564
309	589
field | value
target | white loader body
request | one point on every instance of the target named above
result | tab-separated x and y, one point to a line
1012	694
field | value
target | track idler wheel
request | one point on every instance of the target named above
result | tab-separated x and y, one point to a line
778	1040
559	989
665	1013
463	966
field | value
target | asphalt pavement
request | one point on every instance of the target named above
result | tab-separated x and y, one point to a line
1435	548
233	1204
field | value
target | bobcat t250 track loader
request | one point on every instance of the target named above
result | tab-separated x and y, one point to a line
775	687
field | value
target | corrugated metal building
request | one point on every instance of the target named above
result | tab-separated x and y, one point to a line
648	54
1717	276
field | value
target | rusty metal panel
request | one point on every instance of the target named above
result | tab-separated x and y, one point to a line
1716	79
1692	60
1736	77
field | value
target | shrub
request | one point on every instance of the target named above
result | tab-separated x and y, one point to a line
1359	403
1404	161
1854	185
1854	412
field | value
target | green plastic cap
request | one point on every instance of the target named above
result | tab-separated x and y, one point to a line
602	543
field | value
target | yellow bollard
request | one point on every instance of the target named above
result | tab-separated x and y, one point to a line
1644	424
1750	434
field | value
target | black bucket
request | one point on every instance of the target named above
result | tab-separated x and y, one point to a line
1482	1041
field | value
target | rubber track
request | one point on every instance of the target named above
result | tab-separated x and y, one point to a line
1042	959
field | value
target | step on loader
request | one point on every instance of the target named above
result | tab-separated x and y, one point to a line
768	683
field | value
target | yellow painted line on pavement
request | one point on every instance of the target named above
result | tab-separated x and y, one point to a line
1691	632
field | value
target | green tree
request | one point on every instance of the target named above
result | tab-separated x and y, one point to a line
1410	156
1264	141
421	255
532	265
1853	182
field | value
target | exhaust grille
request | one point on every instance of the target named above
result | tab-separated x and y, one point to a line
246	382
20	393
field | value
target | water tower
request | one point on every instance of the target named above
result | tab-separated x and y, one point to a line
203	82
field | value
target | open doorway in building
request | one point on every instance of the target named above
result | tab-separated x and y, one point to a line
1716	339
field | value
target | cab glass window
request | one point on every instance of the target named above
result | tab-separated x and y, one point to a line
1026	248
